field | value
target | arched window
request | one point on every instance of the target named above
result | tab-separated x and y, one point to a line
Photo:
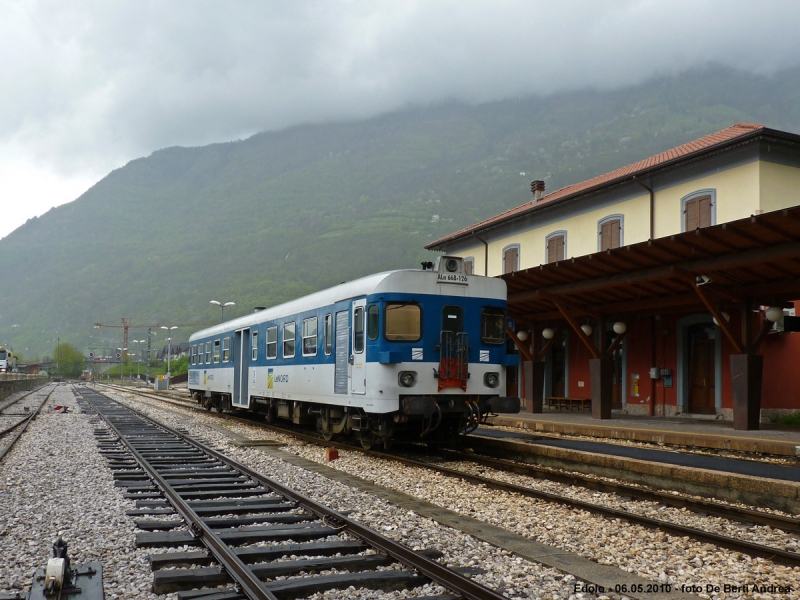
469	265
609	232
555	246
511	258
699	210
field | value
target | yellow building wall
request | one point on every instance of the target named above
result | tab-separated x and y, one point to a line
740	192
780	186
737	197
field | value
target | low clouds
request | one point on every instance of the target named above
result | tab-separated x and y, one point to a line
87	85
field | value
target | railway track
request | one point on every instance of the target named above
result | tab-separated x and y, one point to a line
223	505
702	507
20	426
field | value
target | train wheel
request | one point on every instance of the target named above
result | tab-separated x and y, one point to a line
327	436
366	444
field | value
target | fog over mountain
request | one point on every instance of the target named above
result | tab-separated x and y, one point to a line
87	86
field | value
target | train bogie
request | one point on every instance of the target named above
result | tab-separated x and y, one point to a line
404	354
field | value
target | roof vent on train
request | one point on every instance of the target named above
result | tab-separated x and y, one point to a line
259	309
449	264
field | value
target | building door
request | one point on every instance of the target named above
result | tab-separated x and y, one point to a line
558	367
702	380
358	362
241	367
618	372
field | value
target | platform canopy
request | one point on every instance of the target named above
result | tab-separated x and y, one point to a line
746	263
752	260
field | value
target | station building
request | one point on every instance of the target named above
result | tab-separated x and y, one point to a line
664	287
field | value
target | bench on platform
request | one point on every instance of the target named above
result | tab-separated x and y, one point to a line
559	402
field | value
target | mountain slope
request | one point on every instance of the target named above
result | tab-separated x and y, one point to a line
283	213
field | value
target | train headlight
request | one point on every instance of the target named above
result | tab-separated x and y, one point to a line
491	380
407	378
451	265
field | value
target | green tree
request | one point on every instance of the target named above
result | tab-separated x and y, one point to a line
180	366
69	359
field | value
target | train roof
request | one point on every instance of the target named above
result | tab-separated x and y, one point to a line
399	281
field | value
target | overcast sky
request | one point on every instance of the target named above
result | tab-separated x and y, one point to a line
86	86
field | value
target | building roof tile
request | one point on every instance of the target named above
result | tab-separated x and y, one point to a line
702	144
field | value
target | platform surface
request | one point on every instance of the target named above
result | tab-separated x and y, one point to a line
697	432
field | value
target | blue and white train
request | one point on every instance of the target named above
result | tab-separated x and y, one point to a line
410	354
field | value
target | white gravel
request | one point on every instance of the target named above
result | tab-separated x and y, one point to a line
58	484
515	577
651	554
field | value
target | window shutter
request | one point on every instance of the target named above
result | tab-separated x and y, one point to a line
690	212
615	236
468	267
510	260
555	249
605	236
704	211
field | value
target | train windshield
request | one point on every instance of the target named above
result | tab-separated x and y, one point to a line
453	319
403	322
492	326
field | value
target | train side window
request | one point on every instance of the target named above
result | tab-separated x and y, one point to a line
328	334
358	330
254	345
216	351
373	316
194	355
310	336
272	342
200	360
492	326
288	340
226	349
208	353
403	322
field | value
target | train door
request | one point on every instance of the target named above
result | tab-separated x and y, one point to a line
358	372
342	352
241	367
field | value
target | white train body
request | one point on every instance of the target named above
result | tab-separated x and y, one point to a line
395	354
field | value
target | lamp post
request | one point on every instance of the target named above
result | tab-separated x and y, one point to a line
139	359
169	350
222	306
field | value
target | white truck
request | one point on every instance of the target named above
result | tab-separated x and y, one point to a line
8	362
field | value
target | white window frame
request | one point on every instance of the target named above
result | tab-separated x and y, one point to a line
217	347
208	352
600	223
254	344
503	258
287	327
328	334
194	355
559	233
308	337
226	349
273	343
471	261
697	194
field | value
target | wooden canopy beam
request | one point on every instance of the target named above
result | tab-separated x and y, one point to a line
576	328
723	324
525	351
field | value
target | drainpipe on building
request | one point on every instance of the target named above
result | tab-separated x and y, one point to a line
485	255
653	386
652	207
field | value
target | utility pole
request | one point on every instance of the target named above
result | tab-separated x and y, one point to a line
147	372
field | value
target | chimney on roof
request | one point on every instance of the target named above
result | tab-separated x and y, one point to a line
537	189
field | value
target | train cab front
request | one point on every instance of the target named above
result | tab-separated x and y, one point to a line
466	383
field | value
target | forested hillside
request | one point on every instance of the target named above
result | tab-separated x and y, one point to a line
284	213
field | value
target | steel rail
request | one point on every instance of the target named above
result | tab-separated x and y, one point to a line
443	575
251	585
700	506
25	424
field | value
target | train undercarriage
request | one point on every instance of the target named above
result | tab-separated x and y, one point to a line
435	420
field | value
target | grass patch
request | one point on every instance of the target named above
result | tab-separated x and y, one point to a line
791	419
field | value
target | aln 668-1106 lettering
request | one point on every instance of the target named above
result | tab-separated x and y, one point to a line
411	354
